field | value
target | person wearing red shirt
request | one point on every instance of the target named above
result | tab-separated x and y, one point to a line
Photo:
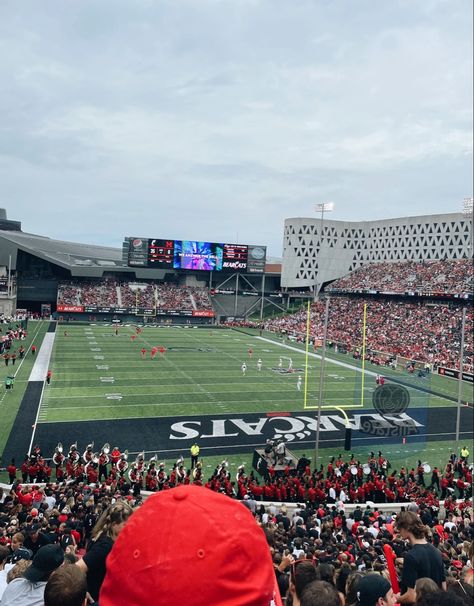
143	353
115	455
32	472
11	469
24	469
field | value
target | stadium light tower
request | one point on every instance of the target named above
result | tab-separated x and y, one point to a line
322	207
467	207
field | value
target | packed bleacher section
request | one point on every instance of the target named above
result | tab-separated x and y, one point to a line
103	293
341	545
142	295
426	332
108	293
453	278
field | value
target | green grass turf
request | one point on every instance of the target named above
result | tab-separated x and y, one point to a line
201	374
10	400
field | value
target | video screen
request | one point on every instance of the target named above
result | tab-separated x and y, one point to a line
189	254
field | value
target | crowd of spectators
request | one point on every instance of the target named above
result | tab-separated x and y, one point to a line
138	295
318	540
100	293
446	277
108	293
428	333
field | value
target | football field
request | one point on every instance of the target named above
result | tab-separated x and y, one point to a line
103	389
100	375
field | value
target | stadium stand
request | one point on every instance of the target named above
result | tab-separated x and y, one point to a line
431	331
109	293
341	544
441	277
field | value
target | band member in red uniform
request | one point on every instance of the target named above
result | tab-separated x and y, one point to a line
103	461
11	469
115	455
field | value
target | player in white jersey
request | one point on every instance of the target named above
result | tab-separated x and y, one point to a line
244	368
259	364
298	383
280	363
290	365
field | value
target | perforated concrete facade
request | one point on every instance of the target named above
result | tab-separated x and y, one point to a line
348	245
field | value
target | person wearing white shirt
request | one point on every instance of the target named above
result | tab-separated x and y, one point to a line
4	568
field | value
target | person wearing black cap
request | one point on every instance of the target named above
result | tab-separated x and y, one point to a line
29	590
35	539
375	590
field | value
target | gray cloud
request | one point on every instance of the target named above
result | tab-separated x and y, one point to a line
208	118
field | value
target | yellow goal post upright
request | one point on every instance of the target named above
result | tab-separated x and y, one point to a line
320	406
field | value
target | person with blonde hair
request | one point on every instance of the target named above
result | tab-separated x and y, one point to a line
103	536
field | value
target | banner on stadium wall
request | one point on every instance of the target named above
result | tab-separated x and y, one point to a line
139	311
454	374
70	308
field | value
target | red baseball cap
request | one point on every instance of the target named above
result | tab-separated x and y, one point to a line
191	546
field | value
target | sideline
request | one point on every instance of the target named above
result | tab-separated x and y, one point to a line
35	334
28	411
39	370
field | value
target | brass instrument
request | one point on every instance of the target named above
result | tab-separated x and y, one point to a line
58	456
73	453
86	455
105	451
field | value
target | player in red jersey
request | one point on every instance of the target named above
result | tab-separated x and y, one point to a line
162	351
133	337
153	352
143	353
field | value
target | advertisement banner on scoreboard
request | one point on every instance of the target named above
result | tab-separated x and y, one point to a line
160	253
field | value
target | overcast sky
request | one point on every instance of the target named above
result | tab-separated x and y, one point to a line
217	119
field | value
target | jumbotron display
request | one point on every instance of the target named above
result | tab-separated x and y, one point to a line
195	255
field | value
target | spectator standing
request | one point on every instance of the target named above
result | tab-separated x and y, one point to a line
320	593
203	549
375	590
67	586
29	589
104	534
422	560
4	553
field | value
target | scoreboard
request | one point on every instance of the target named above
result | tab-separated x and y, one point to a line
195	255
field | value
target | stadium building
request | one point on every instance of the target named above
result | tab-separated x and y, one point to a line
317	251
33	268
